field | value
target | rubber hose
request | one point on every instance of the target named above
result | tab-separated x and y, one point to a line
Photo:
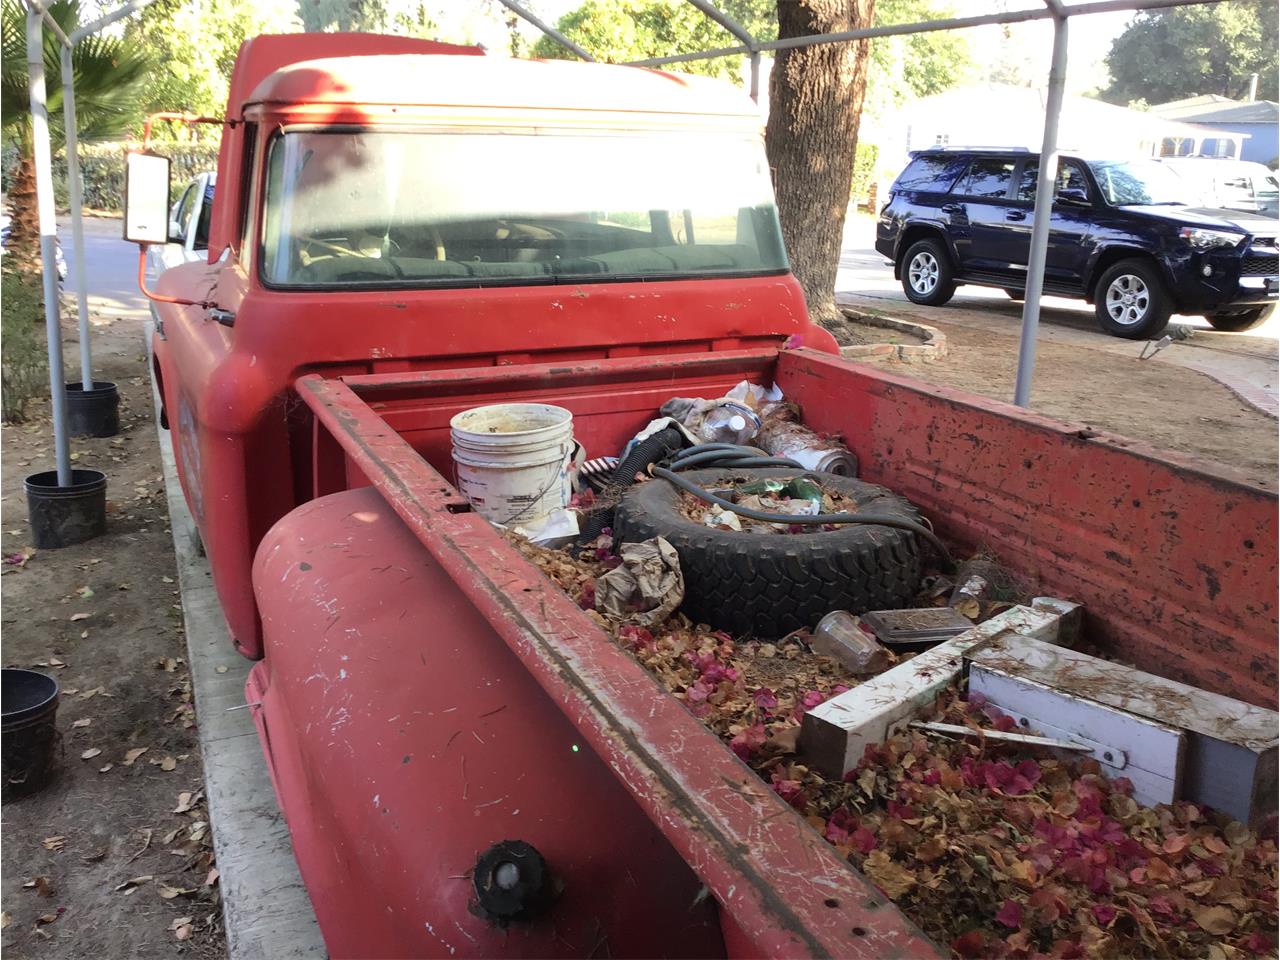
725	458
723	447
649	450
877	519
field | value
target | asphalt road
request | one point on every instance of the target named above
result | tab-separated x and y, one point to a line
1246	362
111	268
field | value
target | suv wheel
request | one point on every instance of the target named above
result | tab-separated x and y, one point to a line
1234	321
1131	302
927	276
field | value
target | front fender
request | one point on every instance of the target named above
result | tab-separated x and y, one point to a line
405	738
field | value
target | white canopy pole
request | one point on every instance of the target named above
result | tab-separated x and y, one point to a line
1045	184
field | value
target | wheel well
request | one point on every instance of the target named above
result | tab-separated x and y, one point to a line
1109	258
914	234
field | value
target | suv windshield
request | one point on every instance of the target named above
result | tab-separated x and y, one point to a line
1139	182
376	208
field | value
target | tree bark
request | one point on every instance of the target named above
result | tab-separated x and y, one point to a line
24	215
815	103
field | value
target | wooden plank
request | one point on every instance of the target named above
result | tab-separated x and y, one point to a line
1149	754
835	734
1232	747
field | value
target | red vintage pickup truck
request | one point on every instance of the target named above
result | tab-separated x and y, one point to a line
405	230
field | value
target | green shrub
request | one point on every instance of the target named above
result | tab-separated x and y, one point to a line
102	169
24	363
865	156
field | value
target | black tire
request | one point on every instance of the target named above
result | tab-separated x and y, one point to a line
767	585
1130	300
1234	321
1017	296
927	274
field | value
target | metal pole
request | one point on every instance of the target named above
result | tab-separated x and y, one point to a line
755	77
133	6
928	26
1045	183
77	225
48	243
551	32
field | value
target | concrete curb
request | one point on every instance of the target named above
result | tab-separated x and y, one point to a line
265	907
933	348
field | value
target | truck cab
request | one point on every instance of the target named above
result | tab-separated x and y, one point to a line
392	205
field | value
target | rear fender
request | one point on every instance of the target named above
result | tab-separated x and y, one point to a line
405	738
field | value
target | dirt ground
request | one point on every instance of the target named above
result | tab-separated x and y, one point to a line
104	618
1162	404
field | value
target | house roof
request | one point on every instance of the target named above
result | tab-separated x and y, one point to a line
1211	108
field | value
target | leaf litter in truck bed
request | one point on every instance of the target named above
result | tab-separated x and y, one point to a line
992	849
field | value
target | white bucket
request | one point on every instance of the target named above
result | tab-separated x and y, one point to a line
513	459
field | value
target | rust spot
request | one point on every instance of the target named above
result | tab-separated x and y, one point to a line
1117	558
304	566
1210	579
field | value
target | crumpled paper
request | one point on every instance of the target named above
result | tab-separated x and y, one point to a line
648	586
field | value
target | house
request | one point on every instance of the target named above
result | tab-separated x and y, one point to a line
1257	122
1002	115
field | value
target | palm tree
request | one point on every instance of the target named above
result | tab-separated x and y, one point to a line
108	73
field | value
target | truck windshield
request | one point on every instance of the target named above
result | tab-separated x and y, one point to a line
1125	182
375	209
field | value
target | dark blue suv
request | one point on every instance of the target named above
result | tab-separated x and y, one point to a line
1121	238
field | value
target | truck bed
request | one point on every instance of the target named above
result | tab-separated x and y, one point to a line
1175	562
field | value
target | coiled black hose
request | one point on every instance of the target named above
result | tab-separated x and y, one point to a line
651	449
877	519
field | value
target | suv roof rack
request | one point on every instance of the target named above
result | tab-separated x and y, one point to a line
977	149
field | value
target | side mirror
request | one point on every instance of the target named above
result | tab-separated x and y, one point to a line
146	198
1073	196
175	232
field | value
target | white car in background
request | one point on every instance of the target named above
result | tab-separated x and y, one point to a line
1229	184
188	228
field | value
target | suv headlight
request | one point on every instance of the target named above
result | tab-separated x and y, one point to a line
1203	239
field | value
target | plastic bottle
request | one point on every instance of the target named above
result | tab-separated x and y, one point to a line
729	422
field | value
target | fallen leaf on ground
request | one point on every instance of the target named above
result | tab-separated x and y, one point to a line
55	662
106	768
890	877
185	802
164	763
181	927
54	843
89	694
146	842
1216	920
133	883
41	885
5	919
212	878
133	755
75	617
85	592
94	857
90	753
46	918
220	668
82	722
168	892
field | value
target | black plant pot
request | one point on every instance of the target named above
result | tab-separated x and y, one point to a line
61	516
93	413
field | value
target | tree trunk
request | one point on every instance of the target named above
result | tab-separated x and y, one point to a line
24	222
815	103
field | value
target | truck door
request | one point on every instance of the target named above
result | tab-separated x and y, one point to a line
1069	225
979	208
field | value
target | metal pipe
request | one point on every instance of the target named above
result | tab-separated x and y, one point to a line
755	77
75	199
48	242
733	26
52	24
1043	213
133	6
929	26
551	32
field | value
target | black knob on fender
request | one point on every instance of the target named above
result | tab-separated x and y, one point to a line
512	882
